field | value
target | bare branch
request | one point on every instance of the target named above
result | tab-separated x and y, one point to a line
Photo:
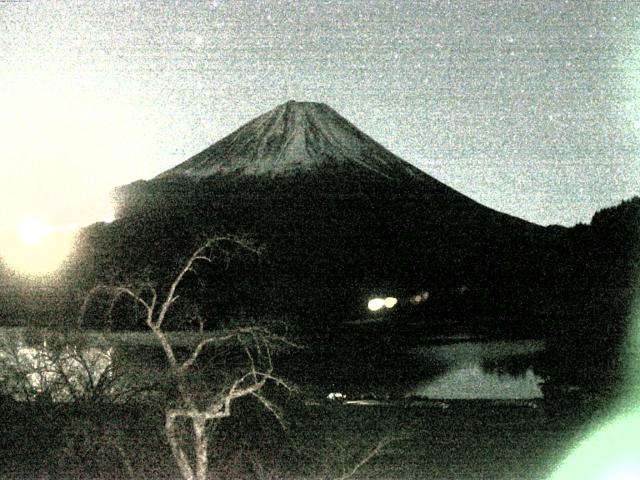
115	293
271	407
166	345
256	343
203	253
367	458
204	343
171	295
251	363
277	381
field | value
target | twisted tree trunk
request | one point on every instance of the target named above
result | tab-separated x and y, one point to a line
201	447
254	341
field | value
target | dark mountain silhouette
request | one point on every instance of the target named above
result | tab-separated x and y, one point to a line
341	219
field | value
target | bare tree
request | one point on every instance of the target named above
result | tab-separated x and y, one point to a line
256	345
54	368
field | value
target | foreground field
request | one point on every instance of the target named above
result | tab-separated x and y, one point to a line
399	438
468	440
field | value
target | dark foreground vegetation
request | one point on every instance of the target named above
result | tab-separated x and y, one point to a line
468	440
582	313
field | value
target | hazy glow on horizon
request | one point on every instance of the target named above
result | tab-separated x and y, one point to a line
37	248
69	142
36	255
33	231
64	147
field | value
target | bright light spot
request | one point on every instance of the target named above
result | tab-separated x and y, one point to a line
390	302
336	396
33	231
420	297
35	248
375	304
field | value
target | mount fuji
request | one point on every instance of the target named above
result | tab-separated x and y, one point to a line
340	217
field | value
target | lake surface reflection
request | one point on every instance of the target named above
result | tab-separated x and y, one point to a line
482	370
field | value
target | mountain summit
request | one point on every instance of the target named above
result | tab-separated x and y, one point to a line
292	138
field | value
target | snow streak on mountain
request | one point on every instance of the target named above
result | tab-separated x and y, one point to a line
295	137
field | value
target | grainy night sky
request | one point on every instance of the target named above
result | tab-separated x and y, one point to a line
529	107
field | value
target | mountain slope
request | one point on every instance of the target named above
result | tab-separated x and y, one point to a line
339	217
295	137
309	147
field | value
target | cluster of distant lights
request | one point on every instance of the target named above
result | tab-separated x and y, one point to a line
379	304
419	298
376	304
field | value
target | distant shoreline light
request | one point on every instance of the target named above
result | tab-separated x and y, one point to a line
376	304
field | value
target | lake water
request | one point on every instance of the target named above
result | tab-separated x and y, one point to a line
463	369
482	370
